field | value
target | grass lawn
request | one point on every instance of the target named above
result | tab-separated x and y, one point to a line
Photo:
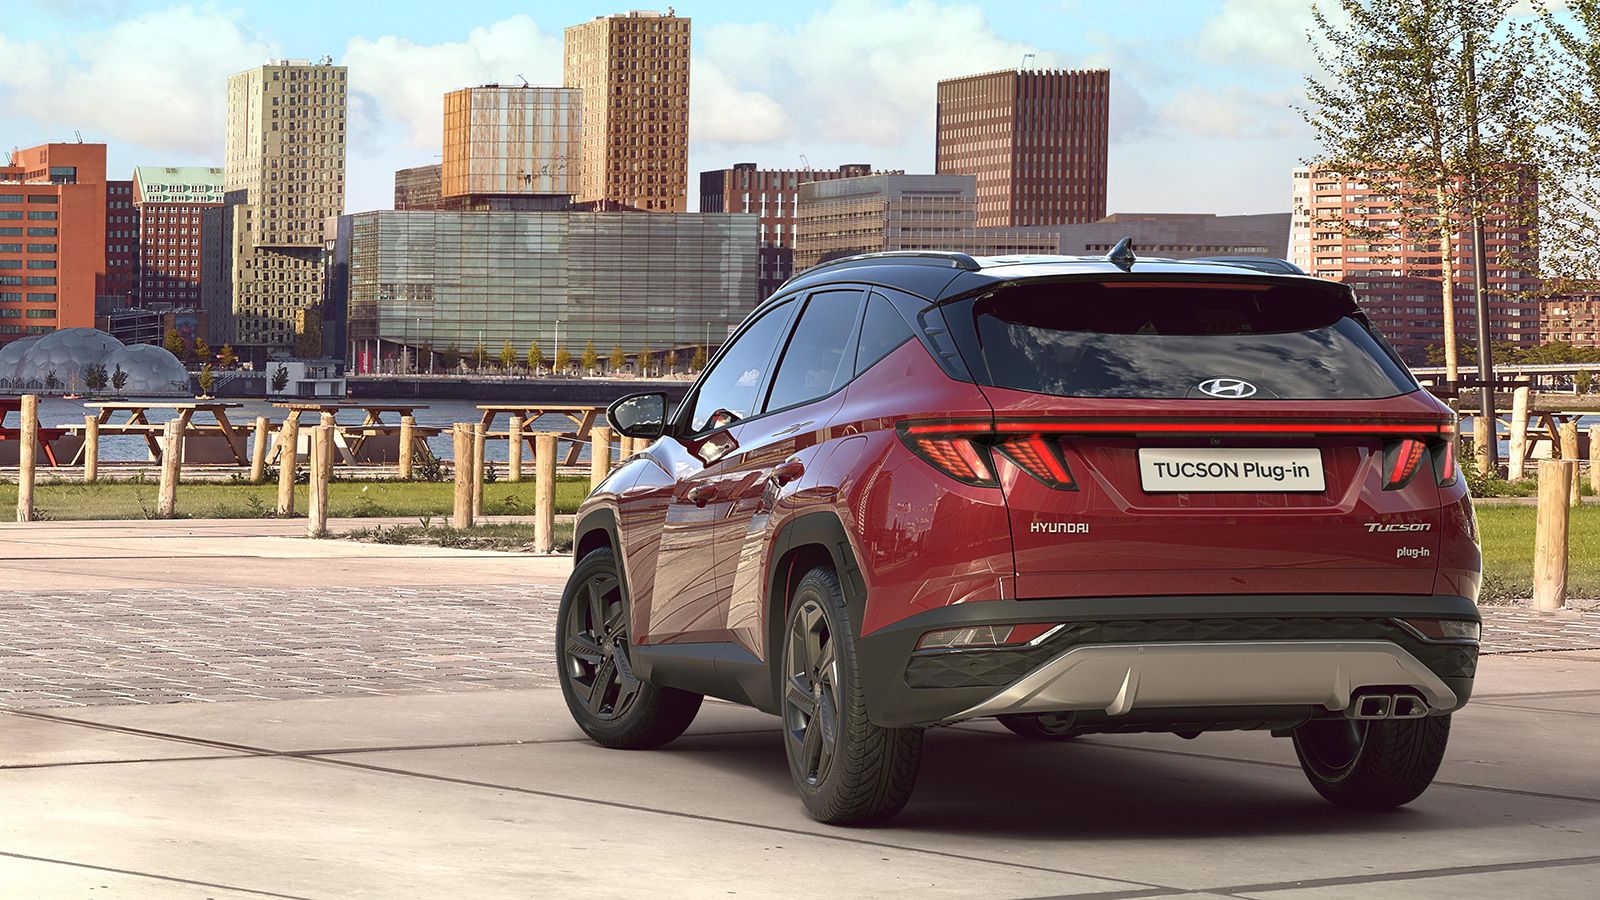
129	500
1507	534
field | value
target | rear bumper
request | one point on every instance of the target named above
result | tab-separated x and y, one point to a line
1126	659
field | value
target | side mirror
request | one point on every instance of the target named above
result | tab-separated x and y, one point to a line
639	415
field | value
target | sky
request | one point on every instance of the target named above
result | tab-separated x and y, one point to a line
1203	92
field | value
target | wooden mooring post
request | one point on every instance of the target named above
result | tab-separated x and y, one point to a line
91	449
408	445
1550	533
1568	433
461	515
544	493
258	450
1517	450
171	469
27	456
1594	461
321	469
514	450
599	455
288	450
480	443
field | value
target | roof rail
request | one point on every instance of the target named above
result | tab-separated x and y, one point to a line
950	258
1269	264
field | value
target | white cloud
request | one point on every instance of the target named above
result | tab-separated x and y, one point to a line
156	79
862	71
721	113
1231	112
1260	32
395	81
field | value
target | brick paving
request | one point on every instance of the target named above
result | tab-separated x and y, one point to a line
85	648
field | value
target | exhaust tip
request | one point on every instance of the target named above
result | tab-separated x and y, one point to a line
1372	706
1408	706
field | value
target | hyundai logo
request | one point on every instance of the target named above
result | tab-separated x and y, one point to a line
1230	388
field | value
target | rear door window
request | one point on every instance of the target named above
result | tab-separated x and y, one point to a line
818	358
1164	340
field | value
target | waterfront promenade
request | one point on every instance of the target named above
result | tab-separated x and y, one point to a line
201	708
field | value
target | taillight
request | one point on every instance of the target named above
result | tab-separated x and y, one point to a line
963	450
1402	459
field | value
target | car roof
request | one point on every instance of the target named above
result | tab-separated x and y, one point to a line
936	274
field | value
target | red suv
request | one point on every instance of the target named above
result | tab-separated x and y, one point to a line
1079	495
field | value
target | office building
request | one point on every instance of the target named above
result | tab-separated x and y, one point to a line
1179	235
122	248
171	202
772	195
426	281
501	140
874	213
283	176
633	70
1036	140
52	238
1399	279
418	187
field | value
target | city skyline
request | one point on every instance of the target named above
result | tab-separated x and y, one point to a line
834	83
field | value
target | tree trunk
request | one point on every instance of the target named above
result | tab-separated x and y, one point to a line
1447	272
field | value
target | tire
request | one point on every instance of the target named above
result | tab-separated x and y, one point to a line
610	703
1371	764
1041	727
848	771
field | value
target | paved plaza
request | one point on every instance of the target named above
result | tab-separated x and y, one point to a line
394	733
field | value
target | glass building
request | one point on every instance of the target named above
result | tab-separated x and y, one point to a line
431	280
511	140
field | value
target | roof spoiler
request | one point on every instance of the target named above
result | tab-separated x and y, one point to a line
1269	264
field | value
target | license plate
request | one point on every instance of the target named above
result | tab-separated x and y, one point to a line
1230	469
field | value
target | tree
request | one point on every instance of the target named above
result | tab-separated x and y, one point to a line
207	380
228	359
452	358
202	350
94	377
175	344
508	357
1570	194
1583	383
618	358
645	360
698	361
535	357
119	379
590	359
51	382
280	378
480	354
425	357
1400	81
563	360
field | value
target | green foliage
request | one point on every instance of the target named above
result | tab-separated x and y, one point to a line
208	381
645	360
202	350
508	357
94	377
175	344
119	379
228	359
563	361
618	358
452	358
1584	382
51	382
480	355
535	357
590	358
698	361
280	379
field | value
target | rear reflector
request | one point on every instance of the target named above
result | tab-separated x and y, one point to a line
1446	629
977	636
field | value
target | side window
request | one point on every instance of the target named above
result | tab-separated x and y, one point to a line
881	332
816	353
728	393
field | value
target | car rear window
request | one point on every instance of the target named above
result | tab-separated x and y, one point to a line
1163	340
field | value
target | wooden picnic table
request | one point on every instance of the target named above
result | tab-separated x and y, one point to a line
47	436
581	416
138	422
372	424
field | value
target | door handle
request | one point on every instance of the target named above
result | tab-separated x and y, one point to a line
701	494
787	471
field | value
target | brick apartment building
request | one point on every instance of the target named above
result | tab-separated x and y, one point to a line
1037	141
1571	320
171	202
774	195
1399	284
52	238
633	70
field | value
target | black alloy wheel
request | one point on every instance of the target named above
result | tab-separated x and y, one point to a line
597	648
811	693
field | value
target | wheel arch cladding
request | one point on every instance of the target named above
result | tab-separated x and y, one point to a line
803	542
597	529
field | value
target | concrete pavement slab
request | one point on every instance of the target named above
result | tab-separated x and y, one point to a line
481	717
1548	880
26	741
23	877
319	829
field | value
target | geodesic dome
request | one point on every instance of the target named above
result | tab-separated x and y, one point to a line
152	371
11	355
66	353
